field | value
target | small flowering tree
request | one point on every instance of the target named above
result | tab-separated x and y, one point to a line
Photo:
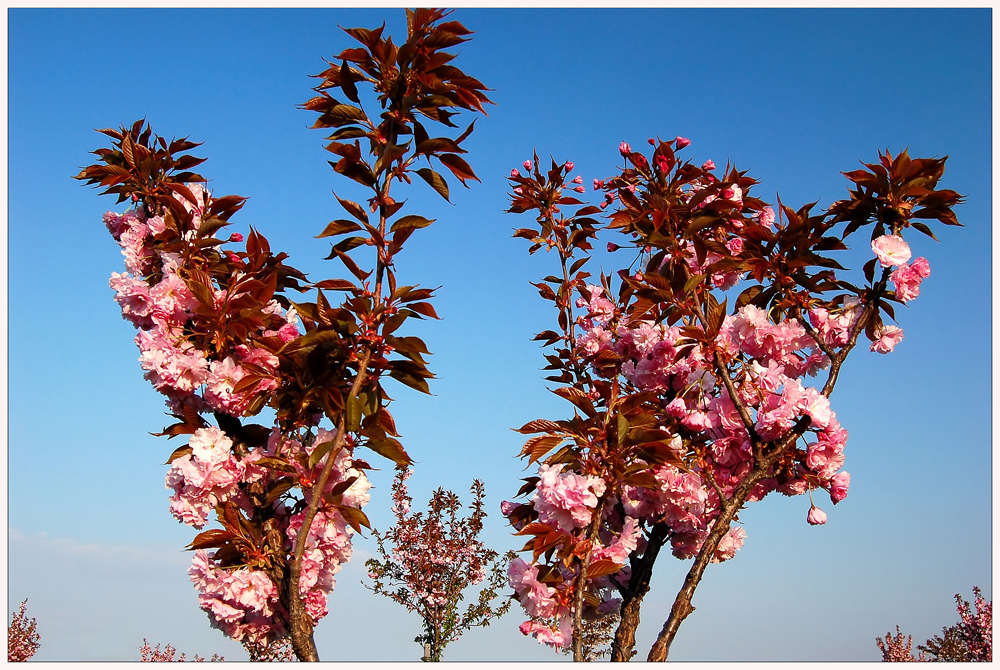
167	655
971	639
427	564
221	339
690	378
22	638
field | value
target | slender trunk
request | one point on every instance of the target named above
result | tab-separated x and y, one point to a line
682	603
436	651
623	647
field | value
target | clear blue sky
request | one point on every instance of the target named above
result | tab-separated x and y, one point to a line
794	96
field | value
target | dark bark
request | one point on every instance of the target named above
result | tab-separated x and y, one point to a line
623	647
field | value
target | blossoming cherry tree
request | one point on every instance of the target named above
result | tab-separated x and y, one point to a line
687	409
220	337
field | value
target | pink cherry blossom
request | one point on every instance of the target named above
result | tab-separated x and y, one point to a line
907	278
730	543
888	339
562	636
891	250
566	500
838	486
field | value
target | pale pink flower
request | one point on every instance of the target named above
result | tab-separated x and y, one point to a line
766	217
888	339
156	224
891	250
566	500
907	278
816	516
534	596
594	340
730	543
560	637
619	550
210	445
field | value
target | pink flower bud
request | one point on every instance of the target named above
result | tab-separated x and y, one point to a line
624	148
682	141
613	247
709	165
527	165
580	189
569	166
652	142
233	257
578	180
816	517
598	184
515	173
236	237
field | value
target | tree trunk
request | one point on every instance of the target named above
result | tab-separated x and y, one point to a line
623	647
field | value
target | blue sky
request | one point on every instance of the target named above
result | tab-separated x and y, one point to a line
795	96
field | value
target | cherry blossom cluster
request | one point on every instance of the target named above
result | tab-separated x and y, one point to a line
713	439
157	300
242	602
194	371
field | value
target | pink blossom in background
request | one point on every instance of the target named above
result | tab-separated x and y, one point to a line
891	250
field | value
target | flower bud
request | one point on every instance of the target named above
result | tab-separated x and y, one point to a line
682	141
613	247
708	165
816	517
527	165
236	237
569	166
515	173
624	148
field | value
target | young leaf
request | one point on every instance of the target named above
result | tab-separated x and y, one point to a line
436	181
